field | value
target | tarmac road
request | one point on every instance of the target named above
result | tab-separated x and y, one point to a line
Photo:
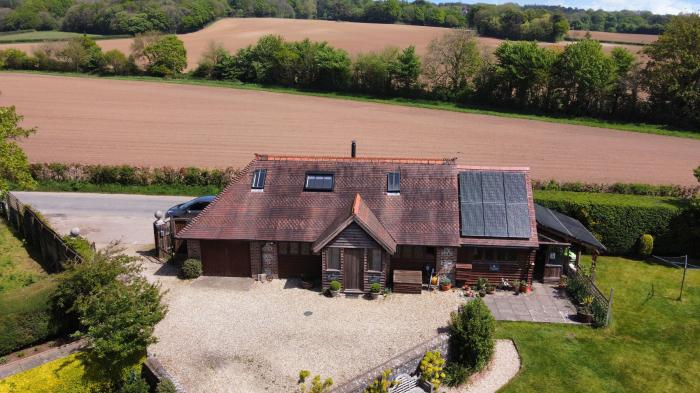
102	218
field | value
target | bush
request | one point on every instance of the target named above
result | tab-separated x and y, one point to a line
165	386
375	287
191	268
645	245
431	368
455	374
381	384
134	383
20	330
335	286
80	245
471	335
316	385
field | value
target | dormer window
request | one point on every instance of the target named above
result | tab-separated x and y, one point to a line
259	179
318	182
393	183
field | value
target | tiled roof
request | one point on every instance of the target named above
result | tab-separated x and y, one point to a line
425	212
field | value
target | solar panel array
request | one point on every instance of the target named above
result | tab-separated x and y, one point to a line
493	204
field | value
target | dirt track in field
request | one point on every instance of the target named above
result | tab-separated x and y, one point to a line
143	123
236	33
615	37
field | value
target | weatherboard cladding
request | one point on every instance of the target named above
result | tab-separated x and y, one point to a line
426	212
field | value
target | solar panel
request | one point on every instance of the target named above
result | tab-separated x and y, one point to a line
494	204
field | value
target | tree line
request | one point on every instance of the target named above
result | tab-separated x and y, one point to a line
580	80
542	23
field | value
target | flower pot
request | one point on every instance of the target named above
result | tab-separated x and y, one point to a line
482	293
523	288
434	280
445	287
334	293
373	295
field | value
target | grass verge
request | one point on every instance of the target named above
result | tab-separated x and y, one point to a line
651	345
415	103
151	189
17	268
52	35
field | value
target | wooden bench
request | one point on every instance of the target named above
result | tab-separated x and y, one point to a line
408	281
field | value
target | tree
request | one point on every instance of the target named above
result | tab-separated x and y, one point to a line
163	55
14	166
82	54
583	76
625	90
453	61
370	71
522	71
117	63
405	69
673	72
471	335
696	172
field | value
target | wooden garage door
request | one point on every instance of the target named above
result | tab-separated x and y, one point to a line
226	258
296	265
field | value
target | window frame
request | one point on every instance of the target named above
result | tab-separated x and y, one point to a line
330	250
256	179
398	183
319	174
371	259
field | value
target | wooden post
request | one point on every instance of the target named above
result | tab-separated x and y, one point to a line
610	303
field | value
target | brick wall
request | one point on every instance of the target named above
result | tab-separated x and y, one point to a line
194	249
446	259
255	259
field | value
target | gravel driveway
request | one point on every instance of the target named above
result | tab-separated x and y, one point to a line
225	334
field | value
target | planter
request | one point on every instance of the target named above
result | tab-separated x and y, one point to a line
482	293
373	295
524	289
490	290
584	316
445	287
333	293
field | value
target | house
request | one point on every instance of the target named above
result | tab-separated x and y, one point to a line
356	220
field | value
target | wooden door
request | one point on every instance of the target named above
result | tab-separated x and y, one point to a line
225	258
352	268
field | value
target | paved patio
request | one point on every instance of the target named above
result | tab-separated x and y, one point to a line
543	304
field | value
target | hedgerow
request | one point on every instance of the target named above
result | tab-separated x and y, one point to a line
619	220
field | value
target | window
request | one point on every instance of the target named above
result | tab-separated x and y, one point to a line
318	182
333	259
374	259
393	183
259	179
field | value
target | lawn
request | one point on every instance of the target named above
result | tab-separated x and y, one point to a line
36	36
17	268
69	374
652	345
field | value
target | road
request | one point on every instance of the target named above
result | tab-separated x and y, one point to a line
102	218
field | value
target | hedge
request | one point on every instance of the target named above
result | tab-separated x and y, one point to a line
619	220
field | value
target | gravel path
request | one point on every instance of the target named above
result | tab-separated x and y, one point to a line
225	334
503	367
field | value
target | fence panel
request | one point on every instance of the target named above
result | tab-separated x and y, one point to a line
594	291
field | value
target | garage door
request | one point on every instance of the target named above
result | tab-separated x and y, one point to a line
296	265
226	258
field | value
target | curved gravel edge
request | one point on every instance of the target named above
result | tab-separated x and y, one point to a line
503	367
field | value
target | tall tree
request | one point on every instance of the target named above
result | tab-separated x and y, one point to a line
405	69
673	72
453	61
14	166
522	71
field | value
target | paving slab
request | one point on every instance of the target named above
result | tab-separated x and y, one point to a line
543	304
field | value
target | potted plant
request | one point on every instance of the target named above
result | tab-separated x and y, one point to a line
334	288
481	284
585	311
445	284
306	282
563	282
490	289
524	288
374	290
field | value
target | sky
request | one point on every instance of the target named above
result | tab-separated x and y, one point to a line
655	6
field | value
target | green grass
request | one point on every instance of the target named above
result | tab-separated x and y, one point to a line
652	345
415	103
151	189
17	268
38	36
609	198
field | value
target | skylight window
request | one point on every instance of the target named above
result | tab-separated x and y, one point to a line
318	182
393	182
259	179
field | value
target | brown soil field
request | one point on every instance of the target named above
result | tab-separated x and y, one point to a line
90	120
616	37
236	33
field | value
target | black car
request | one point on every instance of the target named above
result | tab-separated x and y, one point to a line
190	208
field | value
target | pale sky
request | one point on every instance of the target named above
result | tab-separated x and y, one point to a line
655	6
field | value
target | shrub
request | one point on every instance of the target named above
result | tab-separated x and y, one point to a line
165	386
645	245
381	384
191	268
471	335
22	329
335	285
316	385
375	287
455	374
481	284
80	245
134	383
431	368
445	281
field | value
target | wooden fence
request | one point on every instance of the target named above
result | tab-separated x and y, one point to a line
53	251
164	231
593	290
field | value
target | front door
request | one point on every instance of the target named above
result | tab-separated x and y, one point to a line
352	268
